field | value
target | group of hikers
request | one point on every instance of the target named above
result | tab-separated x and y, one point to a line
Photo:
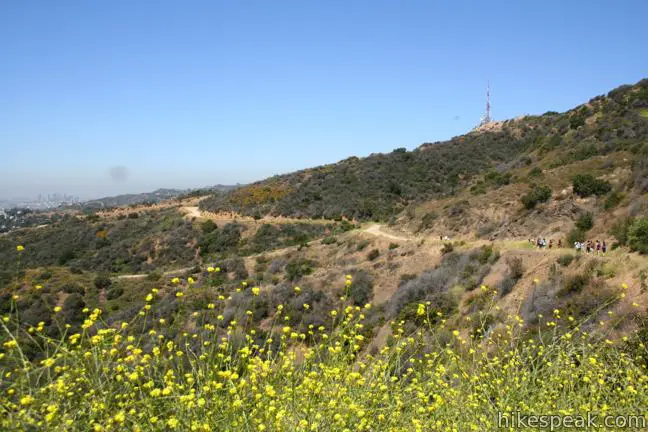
589	246
541	243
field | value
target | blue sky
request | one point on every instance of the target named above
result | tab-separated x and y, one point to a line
186	94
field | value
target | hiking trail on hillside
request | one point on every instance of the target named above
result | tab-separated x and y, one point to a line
377	230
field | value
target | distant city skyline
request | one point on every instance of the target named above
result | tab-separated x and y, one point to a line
56	196
107	98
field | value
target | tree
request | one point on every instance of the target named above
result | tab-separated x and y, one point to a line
586	185
638	236
538	194
66	256
620	229
72	309
373	254
361	290
585	222
576	235
102	281
208	226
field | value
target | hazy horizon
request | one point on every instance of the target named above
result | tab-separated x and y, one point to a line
89	186
187	95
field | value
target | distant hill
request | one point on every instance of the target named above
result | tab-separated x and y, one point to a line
151	197
381	186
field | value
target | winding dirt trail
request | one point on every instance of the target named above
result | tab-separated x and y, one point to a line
195	212
143	275
192	211
377	230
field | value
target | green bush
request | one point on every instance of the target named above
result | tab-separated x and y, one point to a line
361	289
613	200
538	194
620	230
565	260
586	185
73	309
638	236
154	276
577	118
299	267
236	266
535	172
516	269
576	235
393	246
553	143
345	226
498	179
71	288
485	254
478	188
363	244
574	284
373	254
114	293
427	221
102	281
208	226
485	229
67	256
506	285
329	240
585	222
222	240
447	248
45	275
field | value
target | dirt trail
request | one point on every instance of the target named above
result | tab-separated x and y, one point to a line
195	212
433	245
192	211
377	230
143	275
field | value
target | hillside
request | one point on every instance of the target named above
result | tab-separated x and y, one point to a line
263	308
533	158
381	186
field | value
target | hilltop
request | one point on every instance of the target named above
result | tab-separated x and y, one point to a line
383	186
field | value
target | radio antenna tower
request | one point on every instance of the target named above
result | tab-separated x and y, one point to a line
487	115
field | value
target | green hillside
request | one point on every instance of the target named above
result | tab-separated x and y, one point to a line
381	186
164	317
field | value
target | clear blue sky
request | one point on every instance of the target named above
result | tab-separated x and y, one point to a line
193	93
